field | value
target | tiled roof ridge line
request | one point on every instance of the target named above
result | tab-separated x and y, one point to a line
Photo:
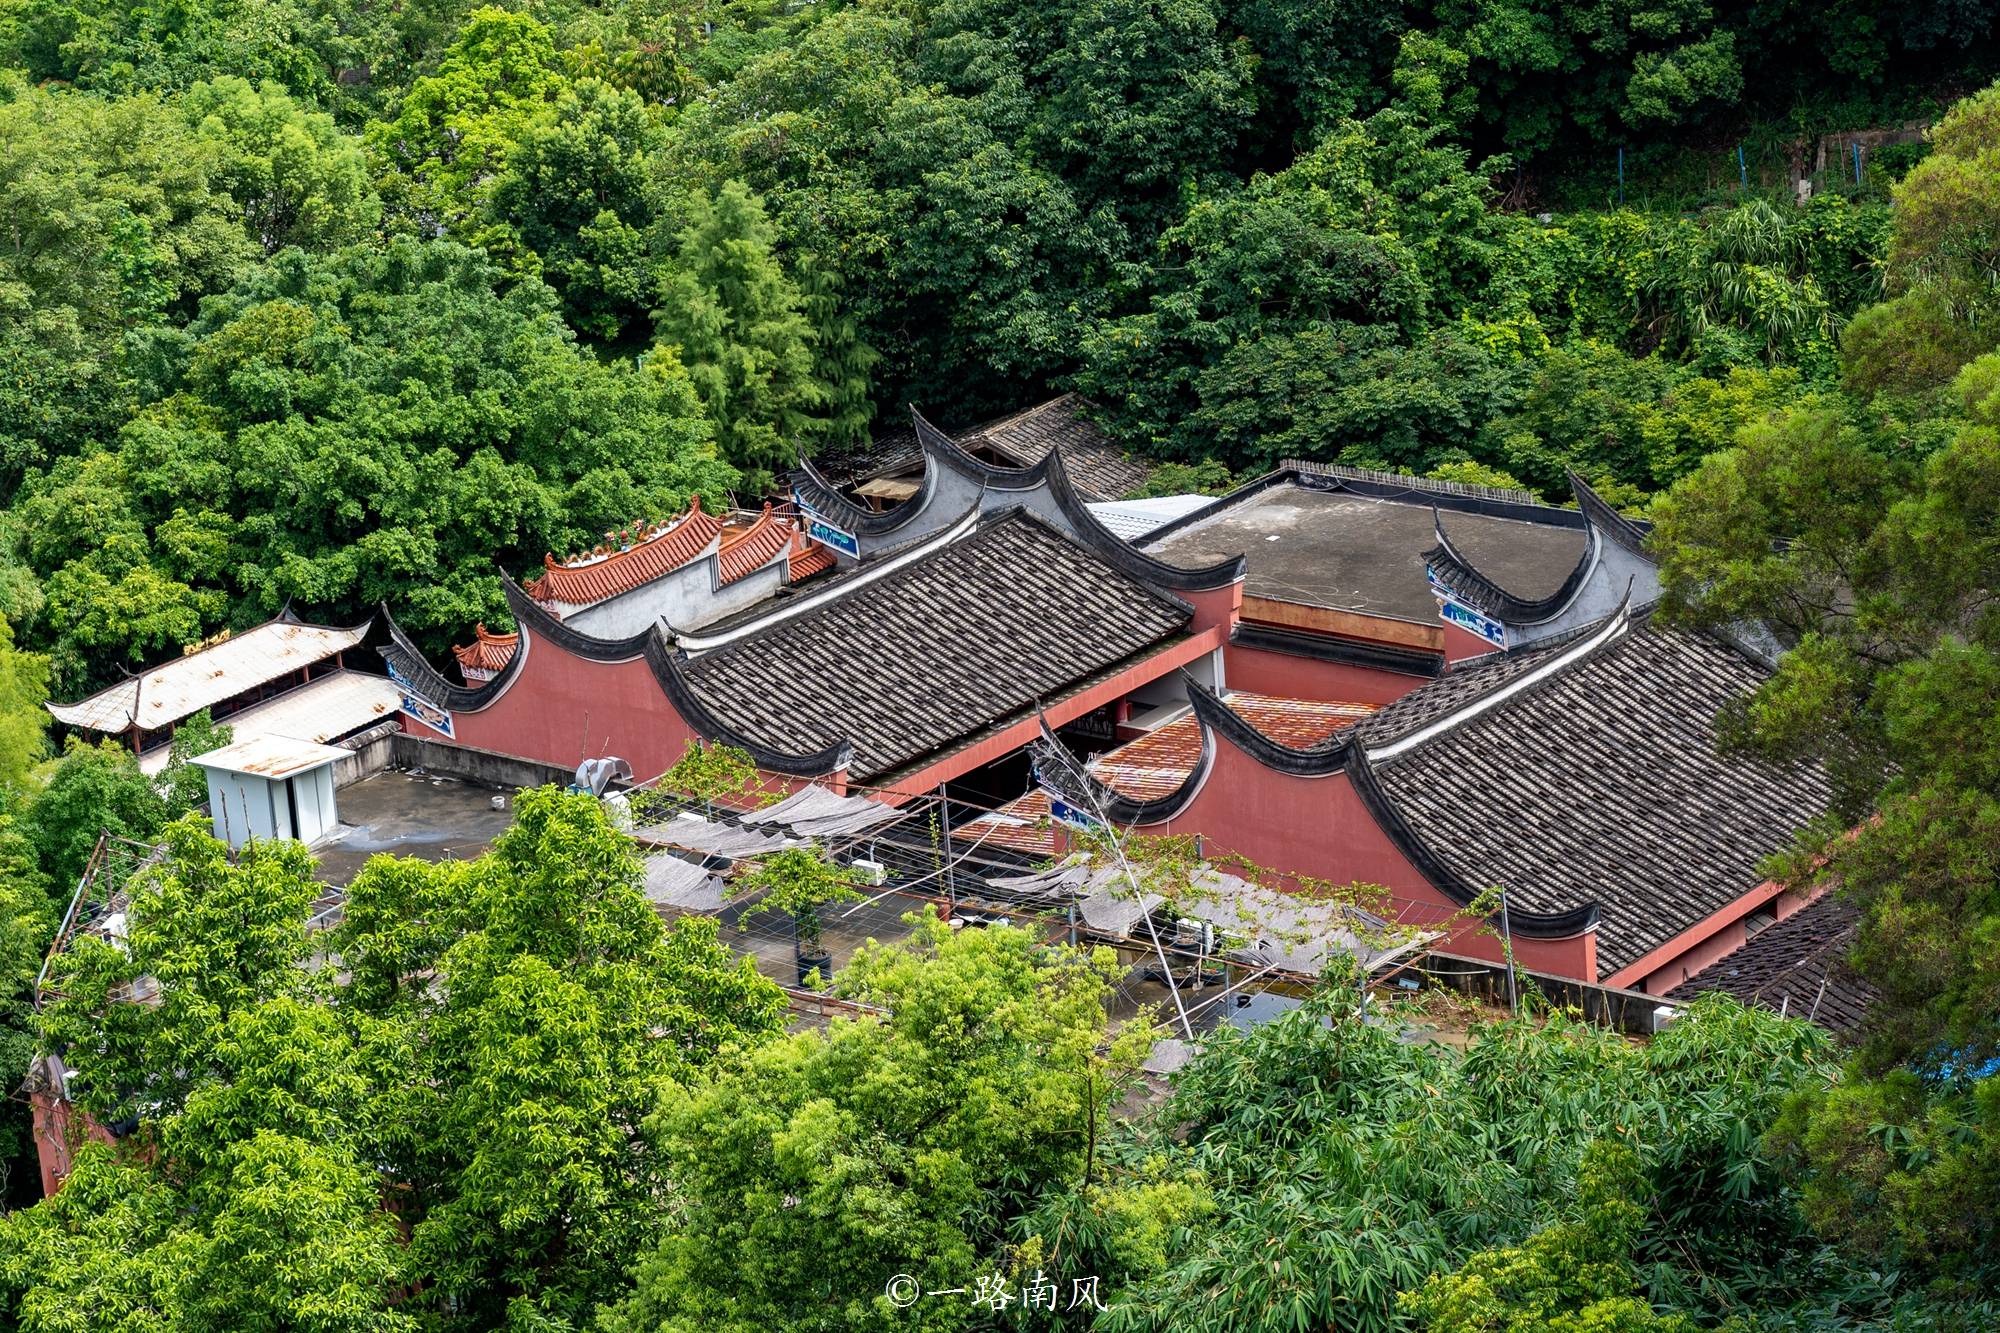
1212	714
555	572
760	530
1600	514
1437	485
1612	628
694	643
664	662
1123	555
813	487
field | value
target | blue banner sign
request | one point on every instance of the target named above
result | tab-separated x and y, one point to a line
1062	812
423	710
827	534
1471	621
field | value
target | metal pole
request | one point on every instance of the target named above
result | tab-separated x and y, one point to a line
1507	938
1742	170
1621	175
944	816
1138	895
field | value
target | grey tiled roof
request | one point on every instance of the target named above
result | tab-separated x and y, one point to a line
1797	966
1094	463
970	634
1098	467
1600	782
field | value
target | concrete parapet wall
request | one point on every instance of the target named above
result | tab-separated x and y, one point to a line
467	763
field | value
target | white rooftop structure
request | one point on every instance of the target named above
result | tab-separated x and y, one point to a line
1133	519
161	696
326	708
272	787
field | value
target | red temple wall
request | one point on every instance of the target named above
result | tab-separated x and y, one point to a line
563	709
1319	827
1262	671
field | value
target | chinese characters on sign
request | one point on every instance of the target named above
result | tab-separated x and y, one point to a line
990	1291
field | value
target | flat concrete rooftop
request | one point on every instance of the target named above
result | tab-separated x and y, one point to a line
1356	553
404	814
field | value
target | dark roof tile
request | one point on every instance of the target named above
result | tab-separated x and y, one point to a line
1600	783
972	633
1797	966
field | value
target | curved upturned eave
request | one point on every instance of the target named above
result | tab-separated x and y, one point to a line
1441	874
1601	515
1121	554
532	617
403	654
825	497
1218	718
1213	715
1116	807
938	445
1464	578
665	665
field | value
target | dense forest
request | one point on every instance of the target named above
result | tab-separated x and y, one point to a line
329	304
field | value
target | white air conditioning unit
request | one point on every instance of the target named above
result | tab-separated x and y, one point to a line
1662	1015
870	872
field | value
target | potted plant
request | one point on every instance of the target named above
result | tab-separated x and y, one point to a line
799	881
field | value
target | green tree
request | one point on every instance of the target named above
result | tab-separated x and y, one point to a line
734	320
448	1127
90	789
297	178
1571	1276
453	130
24	722
577	200
899	1144
187	784
355	428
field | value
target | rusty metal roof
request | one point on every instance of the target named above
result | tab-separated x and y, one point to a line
160	696
269	756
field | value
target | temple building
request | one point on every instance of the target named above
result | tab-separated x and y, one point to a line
687	571
284	677
1447	691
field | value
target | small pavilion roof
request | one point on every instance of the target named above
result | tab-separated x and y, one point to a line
269	756
161	696
487	651
604	573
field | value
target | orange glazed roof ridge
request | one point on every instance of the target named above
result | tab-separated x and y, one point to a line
622	571
746	551
487	651
808	557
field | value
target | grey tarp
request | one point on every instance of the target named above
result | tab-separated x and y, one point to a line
815	812
712	837
672	882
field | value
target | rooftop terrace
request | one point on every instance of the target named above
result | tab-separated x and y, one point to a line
1350	551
